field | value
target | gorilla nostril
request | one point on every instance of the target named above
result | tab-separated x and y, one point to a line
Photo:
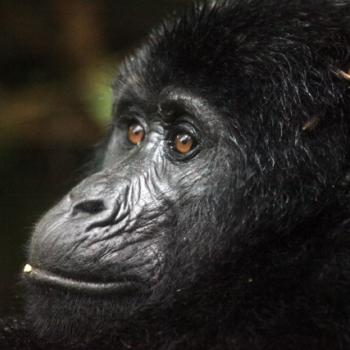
93	206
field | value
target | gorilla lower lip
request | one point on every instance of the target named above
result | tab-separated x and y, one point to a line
47	278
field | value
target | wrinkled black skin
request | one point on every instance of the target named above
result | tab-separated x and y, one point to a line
245	244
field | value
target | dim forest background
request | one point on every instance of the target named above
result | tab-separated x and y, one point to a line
58	58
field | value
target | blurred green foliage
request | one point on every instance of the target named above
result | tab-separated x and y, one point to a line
99	92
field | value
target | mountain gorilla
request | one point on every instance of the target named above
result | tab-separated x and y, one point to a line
219	215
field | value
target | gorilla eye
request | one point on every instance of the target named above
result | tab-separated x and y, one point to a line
184	143
136	133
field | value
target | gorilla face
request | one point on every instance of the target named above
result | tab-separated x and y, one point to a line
110	234
222	144
124	235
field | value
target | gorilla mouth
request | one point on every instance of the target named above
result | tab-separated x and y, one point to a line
42	277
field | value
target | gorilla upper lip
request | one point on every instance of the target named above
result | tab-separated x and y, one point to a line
43	277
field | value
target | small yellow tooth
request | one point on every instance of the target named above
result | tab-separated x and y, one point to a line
27	268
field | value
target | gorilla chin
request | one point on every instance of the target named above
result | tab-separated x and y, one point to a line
66	313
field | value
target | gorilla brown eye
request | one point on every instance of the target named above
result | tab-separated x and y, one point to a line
184	143
136	133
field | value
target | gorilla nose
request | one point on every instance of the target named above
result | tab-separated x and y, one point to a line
89	206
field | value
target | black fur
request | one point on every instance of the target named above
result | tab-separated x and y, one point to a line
247	240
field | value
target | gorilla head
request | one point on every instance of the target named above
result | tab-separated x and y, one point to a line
219	191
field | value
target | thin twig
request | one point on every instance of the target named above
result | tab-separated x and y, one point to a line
345	75
311	124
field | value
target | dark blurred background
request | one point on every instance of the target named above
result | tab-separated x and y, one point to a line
58	58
